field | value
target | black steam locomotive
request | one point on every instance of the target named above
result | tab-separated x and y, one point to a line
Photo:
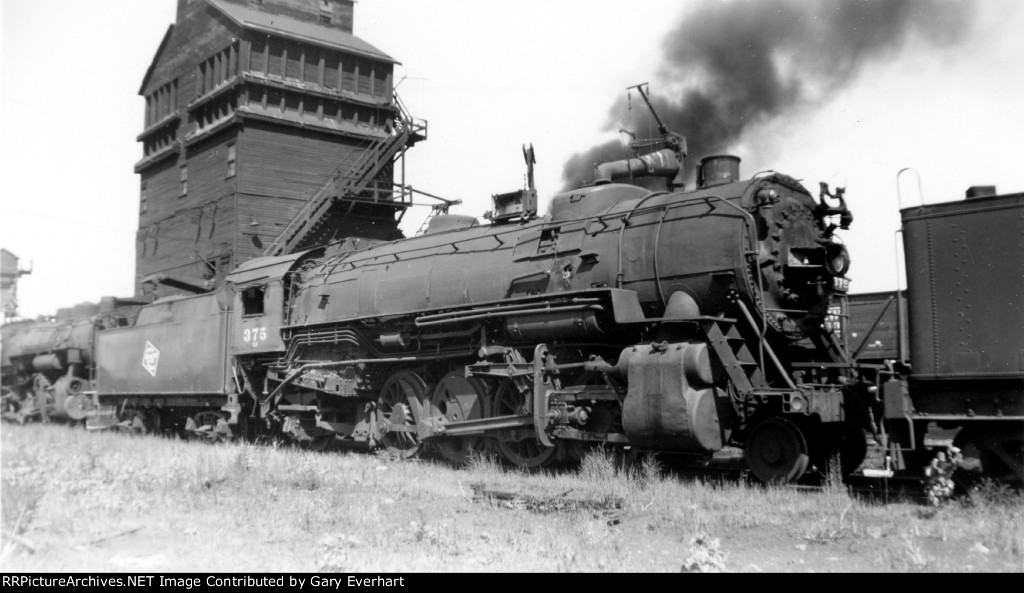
677	321
48	366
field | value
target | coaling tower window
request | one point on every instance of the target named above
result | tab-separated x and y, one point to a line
232	155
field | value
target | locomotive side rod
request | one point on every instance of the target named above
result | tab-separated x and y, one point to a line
484	425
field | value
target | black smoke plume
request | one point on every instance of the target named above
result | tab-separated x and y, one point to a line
748	62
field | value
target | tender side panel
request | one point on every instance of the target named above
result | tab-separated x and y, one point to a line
176	348
966	285
965	279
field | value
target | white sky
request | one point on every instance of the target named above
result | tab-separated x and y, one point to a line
489	77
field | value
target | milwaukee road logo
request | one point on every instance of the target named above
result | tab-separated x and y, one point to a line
150	358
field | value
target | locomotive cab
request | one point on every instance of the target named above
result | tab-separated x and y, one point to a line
259	295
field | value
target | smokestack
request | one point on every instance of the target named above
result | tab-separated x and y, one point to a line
718	170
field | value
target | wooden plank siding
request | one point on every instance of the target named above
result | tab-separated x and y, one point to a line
208	171
199	36
181	246
291	163
162	189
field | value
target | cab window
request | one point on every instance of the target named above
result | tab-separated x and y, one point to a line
253	299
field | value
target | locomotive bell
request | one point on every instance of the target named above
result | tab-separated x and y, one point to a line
718	170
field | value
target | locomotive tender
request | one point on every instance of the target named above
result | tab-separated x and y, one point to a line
963	373
680	321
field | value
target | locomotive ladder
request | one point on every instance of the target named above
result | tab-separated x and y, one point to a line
354	181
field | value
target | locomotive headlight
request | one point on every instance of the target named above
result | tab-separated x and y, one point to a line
837	259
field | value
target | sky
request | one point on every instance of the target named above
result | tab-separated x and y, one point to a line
490	77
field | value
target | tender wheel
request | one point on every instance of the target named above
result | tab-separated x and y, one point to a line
207	418
399	408
776	451
996	453
455	399
519	447
142	421
204	423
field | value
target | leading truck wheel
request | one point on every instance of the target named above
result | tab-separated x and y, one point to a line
776	451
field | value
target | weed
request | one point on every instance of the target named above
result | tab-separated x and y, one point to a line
598	465
649	471
705	555
482	461
243	461
908	555
989	493
332	552
834	477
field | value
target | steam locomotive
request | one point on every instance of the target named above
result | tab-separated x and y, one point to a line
665	320
48	365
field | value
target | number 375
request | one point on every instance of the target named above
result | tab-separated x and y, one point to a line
254	335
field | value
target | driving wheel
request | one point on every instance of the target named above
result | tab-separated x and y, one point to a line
519	447
458	398
399	408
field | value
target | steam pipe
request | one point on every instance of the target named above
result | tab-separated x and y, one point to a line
662	163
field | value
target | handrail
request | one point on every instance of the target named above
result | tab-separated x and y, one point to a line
899	193
765	347
356	180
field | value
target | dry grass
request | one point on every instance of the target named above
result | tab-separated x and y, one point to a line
77	501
